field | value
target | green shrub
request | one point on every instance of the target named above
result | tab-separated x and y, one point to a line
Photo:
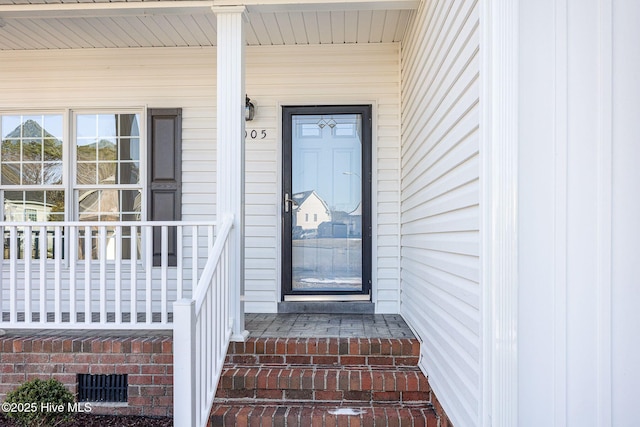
39	403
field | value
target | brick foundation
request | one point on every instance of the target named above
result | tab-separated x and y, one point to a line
148	361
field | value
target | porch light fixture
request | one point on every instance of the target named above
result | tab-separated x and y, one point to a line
249	109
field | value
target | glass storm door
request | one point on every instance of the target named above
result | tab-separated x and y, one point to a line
326	200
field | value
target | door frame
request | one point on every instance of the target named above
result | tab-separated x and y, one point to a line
288	111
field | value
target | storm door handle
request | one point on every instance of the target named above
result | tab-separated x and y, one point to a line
289	203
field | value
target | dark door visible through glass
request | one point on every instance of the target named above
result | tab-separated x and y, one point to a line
326	200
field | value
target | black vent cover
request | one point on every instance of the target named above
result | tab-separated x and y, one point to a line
102	388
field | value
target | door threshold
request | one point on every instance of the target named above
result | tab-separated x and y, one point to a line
327	307
324	298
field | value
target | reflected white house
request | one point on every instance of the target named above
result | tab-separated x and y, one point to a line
309	211
30	210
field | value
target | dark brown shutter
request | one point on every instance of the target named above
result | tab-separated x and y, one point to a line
165	175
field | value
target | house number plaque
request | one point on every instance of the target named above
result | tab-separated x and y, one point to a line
255	134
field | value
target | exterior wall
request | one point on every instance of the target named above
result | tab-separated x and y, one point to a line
128	78
147	362
275	76
578	344
440	200
625	214
316	75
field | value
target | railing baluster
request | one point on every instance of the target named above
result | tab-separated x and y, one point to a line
42	249
164	240
118	274
27	274
13	275
194	259
179	263
148	272
102	255
87	274
211	237
57	274
200	362
209	351
73	264
219	306
133	312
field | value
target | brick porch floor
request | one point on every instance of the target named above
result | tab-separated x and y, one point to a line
327	326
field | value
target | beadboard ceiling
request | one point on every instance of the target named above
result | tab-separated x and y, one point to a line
79	24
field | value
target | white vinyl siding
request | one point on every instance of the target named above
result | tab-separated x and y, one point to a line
440	264
275	76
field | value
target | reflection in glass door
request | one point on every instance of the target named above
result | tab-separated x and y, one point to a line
326	221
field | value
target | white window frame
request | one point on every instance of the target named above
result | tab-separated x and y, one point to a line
40	187
69	186
75	188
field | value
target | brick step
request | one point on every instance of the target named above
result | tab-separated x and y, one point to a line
319	415
303	381
325	351
365	384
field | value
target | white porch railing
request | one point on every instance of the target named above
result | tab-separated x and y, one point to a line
202	330
106	275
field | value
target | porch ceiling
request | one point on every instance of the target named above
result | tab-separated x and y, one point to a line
81	24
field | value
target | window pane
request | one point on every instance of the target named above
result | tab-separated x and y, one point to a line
129	173
52	149
89	205
11	174
129	125
31	174
86	173
13	205
11	126
131	203
86	149
32	149
32	126
107	172
52	173
53	126
34	201
56	216
107	125
86	126
55	202
129	149
109	205
10	150
107	149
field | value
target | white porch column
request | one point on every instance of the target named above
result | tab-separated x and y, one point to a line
499	38
230	148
